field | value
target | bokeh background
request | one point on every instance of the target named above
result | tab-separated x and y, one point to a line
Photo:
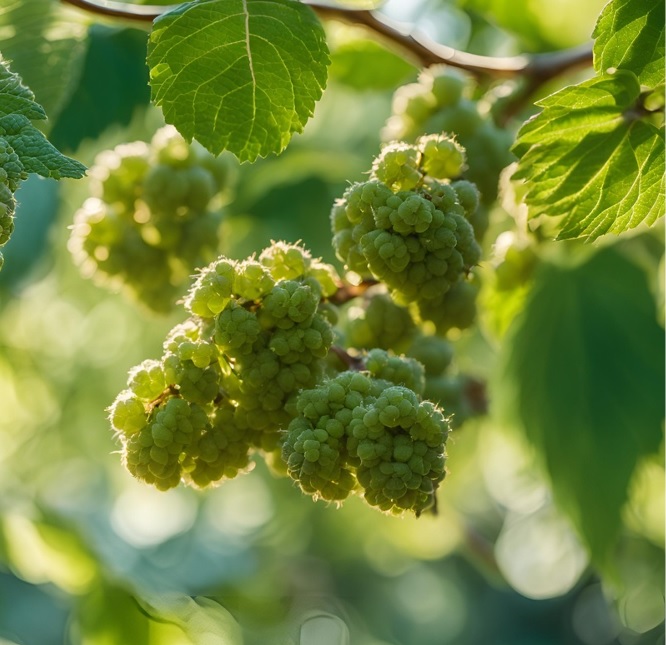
84	548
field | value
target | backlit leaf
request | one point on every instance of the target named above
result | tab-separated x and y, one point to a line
238	75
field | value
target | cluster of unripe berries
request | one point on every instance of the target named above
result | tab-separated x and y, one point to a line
253	370
441	102
230	373
249	372
361	432
153	217
373	320
409	227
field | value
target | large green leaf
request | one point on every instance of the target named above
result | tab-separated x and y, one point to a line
238	75
583	371
589	156
46	43
630	35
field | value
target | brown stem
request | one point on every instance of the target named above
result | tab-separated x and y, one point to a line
347	292
475	393
141	12
539	68
352	362
426	51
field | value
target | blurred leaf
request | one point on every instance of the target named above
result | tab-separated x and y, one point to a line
203	620
109	616
43	552
630	35
645	512
587	157
45	43
498	308
541	26
250	78
114	81
584	372
366	65
294	210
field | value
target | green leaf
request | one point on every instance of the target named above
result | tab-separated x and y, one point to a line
35	152
630	35
47	550
238	75
589	157
108	615
365	65
203	620
583	371
16	98
46	43
114	82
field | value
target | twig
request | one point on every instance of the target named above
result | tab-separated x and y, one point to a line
426	51
475	393
354	363
347	292
538	68
140	12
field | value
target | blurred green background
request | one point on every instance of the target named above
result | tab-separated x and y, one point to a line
89	556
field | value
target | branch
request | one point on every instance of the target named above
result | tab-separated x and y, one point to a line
424	50
347	292
354	363
537	68
140	12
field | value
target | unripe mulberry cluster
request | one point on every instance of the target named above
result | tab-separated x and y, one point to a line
152	218
361	432
409	226
373	320
227	382
254	370
440	102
